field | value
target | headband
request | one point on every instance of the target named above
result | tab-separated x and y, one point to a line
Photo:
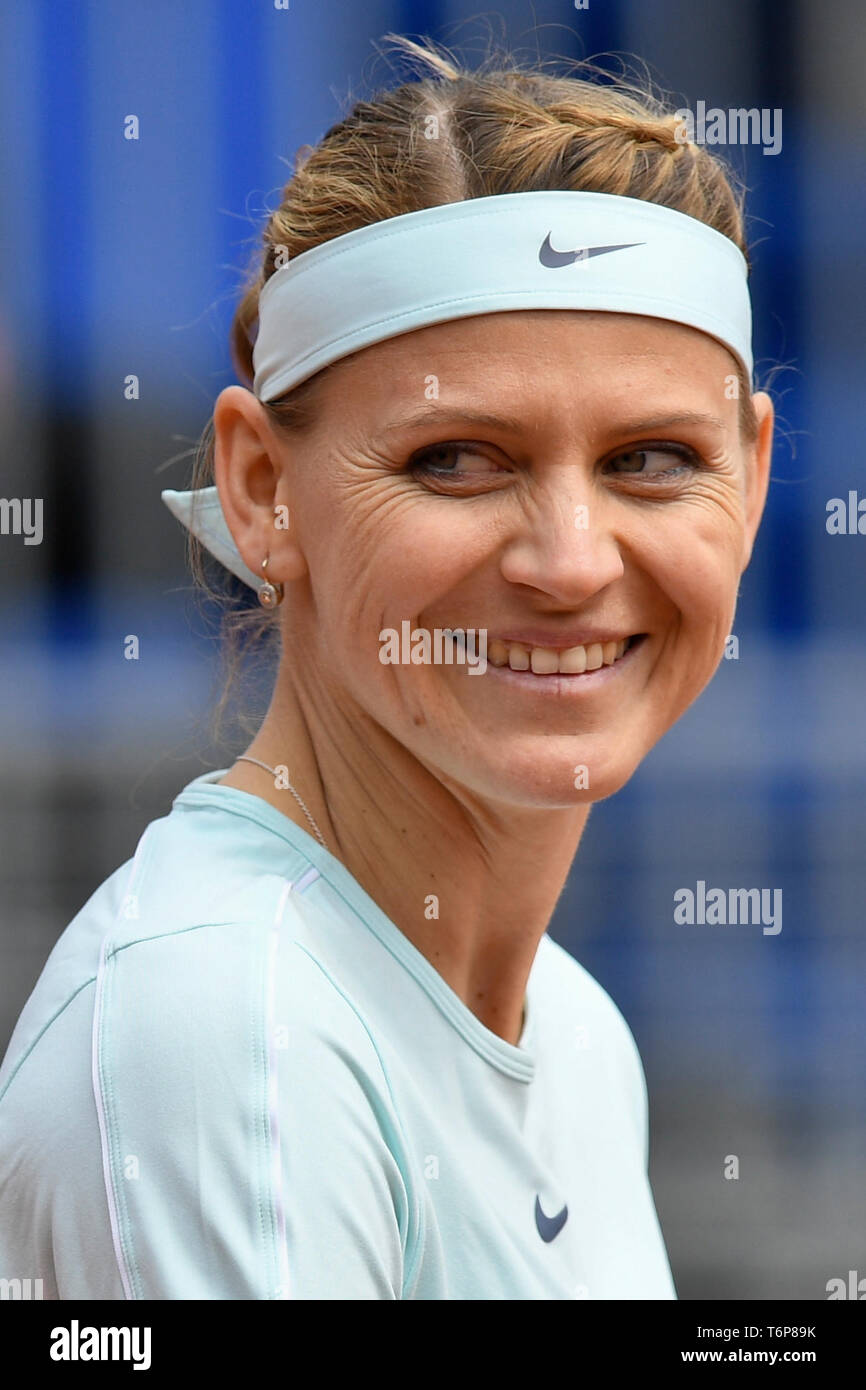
549	249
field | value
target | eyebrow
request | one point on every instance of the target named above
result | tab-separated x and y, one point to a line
444	417
515	426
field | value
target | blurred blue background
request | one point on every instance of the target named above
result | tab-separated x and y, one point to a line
125	257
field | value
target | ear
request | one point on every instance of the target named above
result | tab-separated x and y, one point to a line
758	462
253	483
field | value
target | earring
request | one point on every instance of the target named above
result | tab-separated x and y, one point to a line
270	594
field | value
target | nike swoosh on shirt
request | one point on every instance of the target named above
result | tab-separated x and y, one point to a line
554	259
549	1227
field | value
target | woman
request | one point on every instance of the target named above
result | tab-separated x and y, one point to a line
313	1041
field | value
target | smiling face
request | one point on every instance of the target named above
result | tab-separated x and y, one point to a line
579	483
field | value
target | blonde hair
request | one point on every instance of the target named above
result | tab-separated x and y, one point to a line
501	128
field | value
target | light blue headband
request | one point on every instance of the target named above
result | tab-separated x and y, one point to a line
551	249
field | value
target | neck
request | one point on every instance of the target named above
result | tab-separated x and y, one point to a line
472	885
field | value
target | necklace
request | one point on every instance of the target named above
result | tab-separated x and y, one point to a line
245	758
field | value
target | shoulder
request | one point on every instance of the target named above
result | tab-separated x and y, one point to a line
197	945
576	992
242	1076
590	1027
231	1084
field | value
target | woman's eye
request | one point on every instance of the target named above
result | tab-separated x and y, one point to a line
440	460
664	462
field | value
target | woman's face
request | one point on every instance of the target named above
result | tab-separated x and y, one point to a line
606	496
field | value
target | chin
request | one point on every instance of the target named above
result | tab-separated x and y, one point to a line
546	783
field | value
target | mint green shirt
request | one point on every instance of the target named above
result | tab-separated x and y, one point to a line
236	1078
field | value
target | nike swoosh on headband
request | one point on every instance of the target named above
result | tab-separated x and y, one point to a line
554	259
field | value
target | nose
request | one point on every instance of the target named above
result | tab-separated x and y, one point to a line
566	549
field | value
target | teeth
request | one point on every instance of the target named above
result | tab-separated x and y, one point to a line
545	661
573	661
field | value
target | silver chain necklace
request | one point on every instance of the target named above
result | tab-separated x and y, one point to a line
245	758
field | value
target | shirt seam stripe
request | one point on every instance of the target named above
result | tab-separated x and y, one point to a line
284	1287
101	1082
409	1274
